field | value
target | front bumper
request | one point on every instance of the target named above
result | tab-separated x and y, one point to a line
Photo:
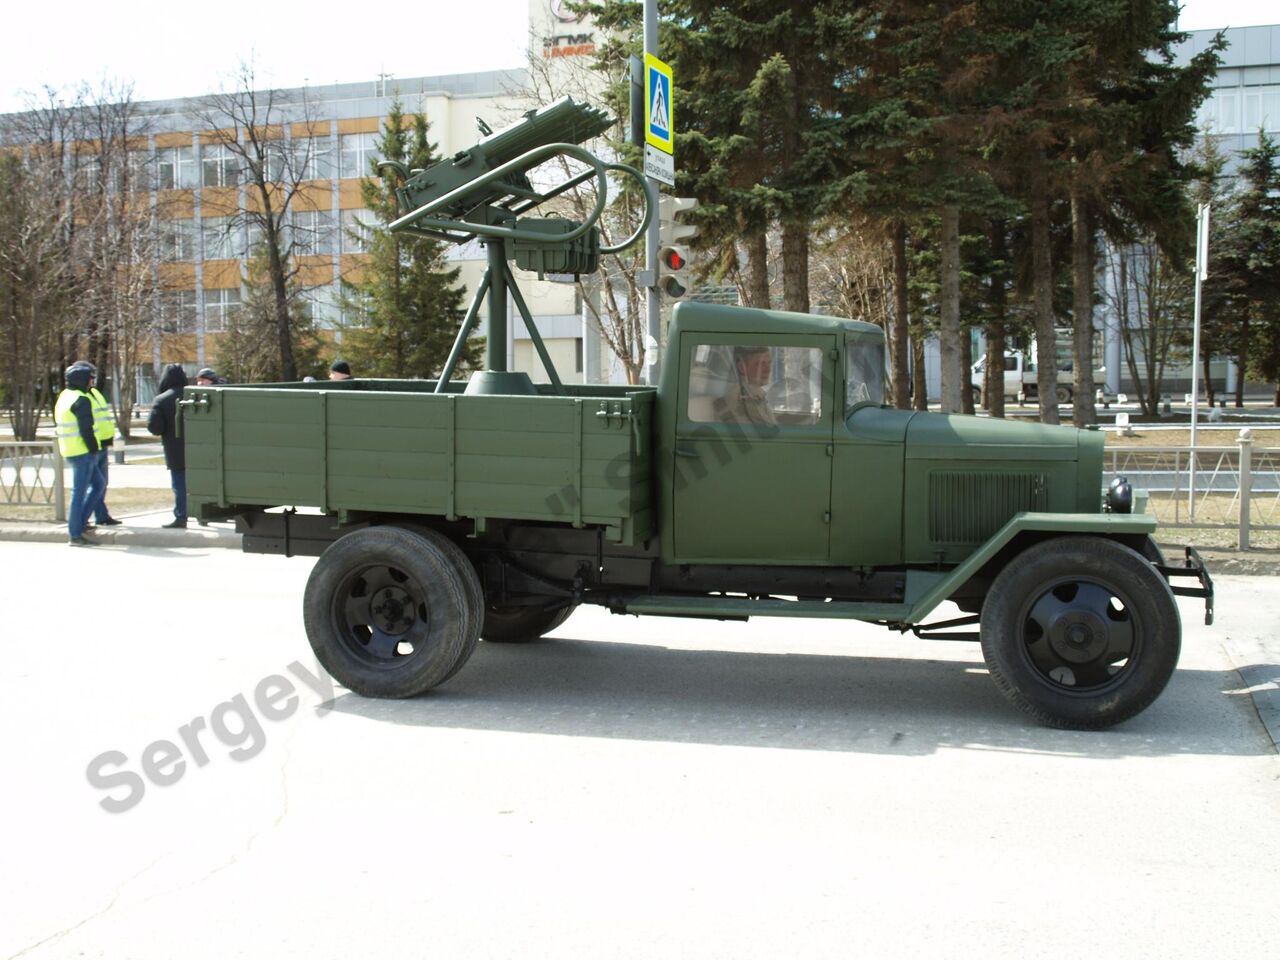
1191	566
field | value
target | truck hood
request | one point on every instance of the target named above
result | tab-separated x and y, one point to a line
940	436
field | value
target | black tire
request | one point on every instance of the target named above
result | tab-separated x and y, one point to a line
470	579
1080	632
388	613
976	393
521	624
1062	394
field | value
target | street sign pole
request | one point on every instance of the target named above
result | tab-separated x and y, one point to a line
652	301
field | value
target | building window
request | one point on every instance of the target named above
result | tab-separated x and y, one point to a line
358	154
177	240
577	354
220	306
220	237
175	168
177	311
357	229
132	174
314	157
320	306
221	167
312	232
355	308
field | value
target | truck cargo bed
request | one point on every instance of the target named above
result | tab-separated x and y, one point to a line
379	446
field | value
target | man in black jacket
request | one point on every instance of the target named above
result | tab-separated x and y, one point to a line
163	423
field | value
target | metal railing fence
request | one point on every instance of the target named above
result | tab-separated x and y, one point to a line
31	474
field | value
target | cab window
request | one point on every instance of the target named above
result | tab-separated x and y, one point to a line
865	379
755	384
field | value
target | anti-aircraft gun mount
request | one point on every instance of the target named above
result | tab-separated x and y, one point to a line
484	193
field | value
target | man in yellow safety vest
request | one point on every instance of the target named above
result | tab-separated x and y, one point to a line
78	443
104	428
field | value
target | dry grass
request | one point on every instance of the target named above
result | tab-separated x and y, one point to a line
122	501
1205	437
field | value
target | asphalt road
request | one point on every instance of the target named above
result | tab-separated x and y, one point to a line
629	788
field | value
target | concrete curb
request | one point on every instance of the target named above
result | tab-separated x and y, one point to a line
125	536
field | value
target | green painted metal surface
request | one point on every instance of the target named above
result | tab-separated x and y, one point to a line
833	479
1103	524
735	607
575	460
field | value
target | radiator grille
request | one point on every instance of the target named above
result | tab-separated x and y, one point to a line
968	506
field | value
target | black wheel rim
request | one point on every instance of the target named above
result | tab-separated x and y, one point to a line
1080	636
381	614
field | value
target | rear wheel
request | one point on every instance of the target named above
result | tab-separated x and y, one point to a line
1062	393
388	612
1079	633
976	392
521	624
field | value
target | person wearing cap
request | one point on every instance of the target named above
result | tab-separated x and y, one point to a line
104	428
205	377
340	370
163	423
78	444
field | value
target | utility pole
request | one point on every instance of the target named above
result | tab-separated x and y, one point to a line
1202	271
652	297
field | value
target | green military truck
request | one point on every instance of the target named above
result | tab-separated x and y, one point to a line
762	476
443	517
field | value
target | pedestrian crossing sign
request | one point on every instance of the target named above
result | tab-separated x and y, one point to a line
657	88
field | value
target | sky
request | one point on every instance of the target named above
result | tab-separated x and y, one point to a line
180	49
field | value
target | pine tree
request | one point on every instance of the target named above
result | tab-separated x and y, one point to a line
410	299
1244	269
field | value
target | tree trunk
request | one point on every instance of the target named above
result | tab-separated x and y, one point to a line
1083	408
1042	282
967	404
995	331
795	266
949	320
901	341
283	331
757	245
1208	380
1241	361
919	388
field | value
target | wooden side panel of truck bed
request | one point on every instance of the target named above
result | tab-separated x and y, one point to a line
569	459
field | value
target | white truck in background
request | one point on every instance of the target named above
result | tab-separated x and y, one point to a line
1020	375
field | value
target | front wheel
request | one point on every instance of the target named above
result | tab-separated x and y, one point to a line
1062	394
1080	632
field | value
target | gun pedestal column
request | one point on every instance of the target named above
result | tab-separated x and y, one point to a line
498	377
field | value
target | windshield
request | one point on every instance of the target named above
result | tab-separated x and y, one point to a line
865	379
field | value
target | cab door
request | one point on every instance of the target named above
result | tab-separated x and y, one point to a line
753	449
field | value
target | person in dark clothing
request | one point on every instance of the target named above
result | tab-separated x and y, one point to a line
78	443
163	423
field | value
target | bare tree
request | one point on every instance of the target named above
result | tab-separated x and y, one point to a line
41	282
613	298
1150	300
248	136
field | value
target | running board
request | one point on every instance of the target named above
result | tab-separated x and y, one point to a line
740	608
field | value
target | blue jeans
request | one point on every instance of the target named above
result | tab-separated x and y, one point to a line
178	478
84	491
100	511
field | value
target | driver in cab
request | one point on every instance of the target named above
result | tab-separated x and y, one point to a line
747	403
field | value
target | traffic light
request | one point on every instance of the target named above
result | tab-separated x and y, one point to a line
673	254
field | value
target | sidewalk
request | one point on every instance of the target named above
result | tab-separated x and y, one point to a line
140	530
